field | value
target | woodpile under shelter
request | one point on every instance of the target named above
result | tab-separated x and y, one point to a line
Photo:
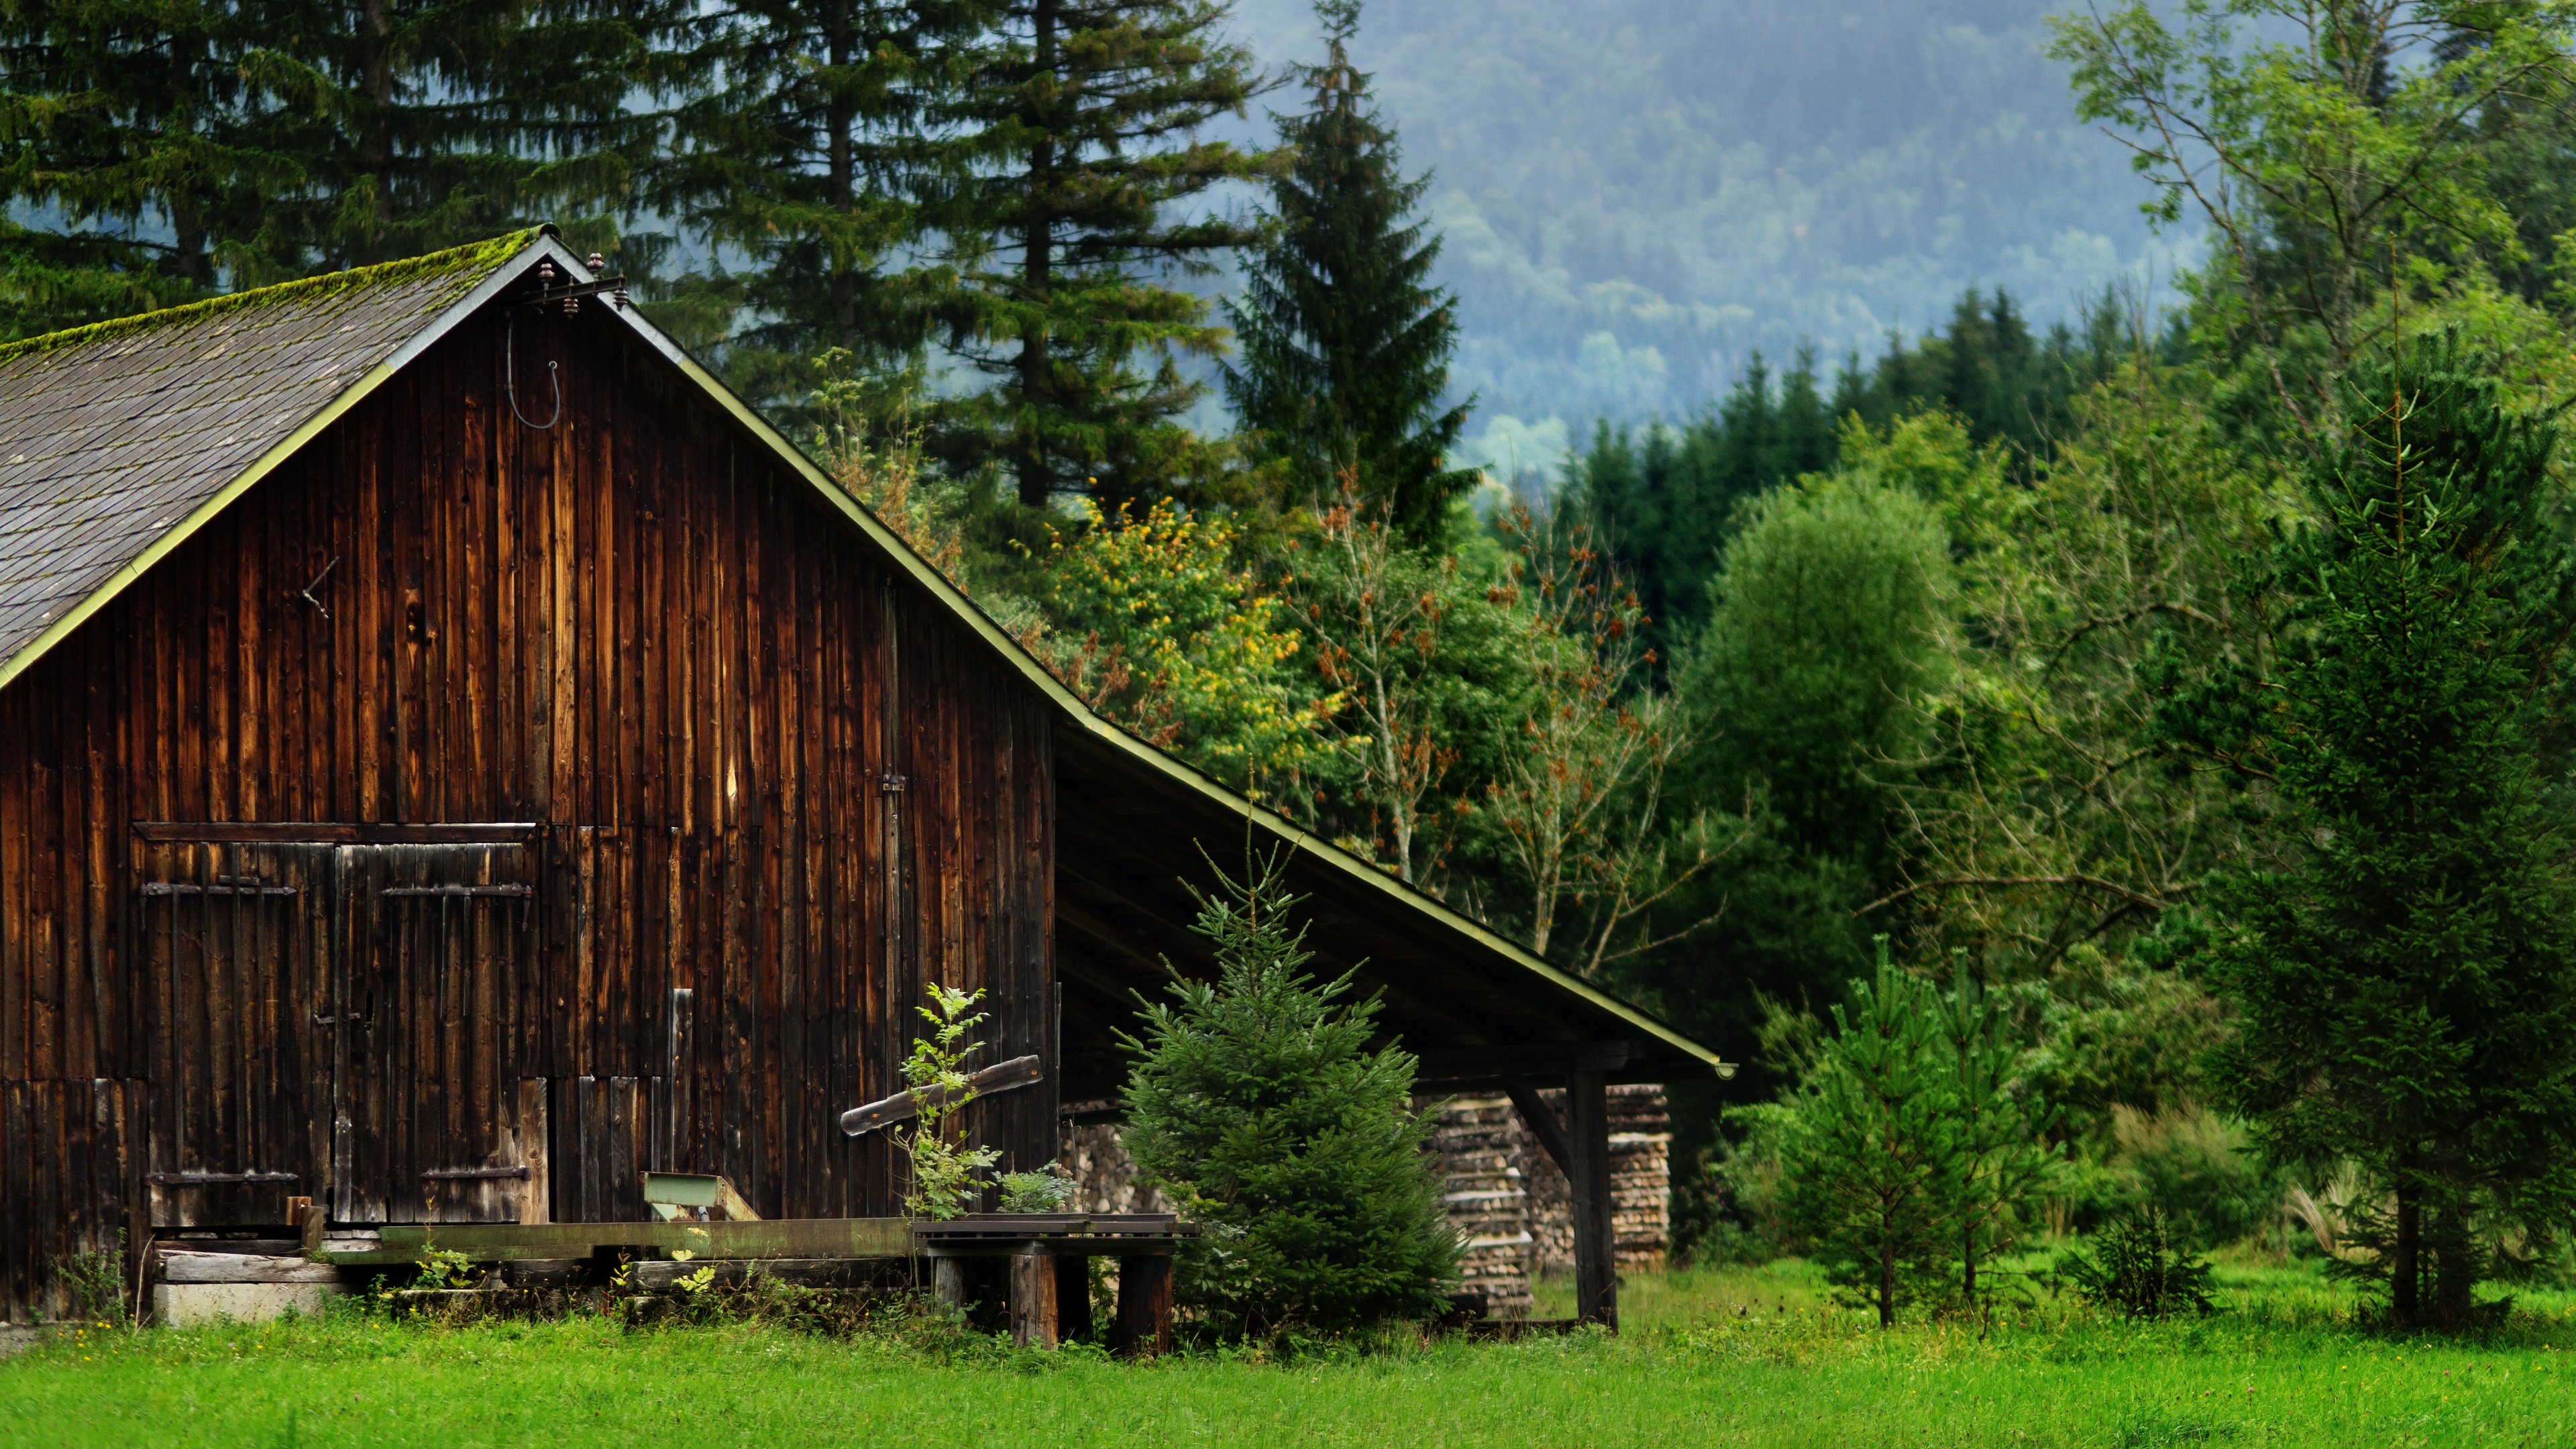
455	757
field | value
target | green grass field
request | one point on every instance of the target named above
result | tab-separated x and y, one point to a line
1750	1356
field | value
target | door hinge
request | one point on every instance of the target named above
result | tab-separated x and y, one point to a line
889	783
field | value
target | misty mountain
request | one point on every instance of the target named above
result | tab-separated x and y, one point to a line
1638	194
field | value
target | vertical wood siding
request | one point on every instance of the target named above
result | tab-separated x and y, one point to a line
634	630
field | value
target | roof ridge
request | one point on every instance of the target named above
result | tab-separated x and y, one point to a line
491	252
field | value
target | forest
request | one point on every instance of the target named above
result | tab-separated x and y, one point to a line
2109	774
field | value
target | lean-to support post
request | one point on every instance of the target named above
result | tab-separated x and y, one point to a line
1596	1258
1580	1147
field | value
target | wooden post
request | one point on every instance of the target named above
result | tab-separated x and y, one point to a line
1032	1300
948	1282
1073	1298
1596	1255
679	1013
1144	1307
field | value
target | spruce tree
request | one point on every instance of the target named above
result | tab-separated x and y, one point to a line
130	131
1257	1102
812	173
160	152
424	124
1345	342
2404	981
1066	245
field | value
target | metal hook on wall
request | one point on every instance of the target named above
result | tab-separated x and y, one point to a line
510	379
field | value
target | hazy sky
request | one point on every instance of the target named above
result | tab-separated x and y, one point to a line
1637	194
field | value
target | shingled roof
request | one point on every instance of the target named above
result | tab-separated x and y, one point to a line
121	439
121	433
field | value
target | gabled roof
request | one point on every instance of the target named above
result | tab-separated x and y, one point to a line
124	436
123	439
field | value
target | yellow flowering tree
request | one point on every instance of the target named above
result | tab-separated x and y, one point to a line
1156	628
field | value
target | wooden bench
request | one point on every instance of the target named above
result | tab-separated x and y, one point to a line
1050	1278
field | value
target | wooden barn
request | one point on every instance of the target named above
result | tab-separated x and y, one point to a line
454	757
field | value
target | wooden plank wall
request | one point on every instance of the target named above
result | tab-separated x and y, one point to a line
633	629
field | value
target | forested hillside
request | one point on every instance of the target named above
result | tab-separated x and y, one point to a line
1639	193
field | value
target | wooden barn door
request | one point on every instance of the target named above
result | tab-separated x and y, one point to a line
234	942
441	1118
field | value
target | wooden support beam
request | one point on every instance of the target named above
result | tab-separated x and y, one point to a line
776	1238
1542	1123
1144	1308
1596	1260
948	1283
1033	1300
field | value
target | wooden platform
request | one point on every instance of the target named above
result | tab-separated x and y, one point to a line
770	1238
1049	1284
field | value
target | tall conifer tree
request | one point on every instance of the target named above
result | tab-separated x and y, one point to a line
1346	342
171	150
424	124
1067	245
130	130
813	169
2405	986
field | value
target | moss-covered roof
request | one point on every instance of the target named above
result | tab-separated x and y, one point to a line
478	257
114	435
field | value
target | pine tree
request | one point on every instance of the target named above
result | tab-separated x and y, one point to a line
131	132
2005	1159
1065	249
1345	342
1257	1101
1870	1150
173	150
423	124
813	174
2404	985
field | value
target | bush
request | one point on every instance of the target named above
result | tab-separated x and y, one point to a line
2136	1269
2201	1169
1255	1104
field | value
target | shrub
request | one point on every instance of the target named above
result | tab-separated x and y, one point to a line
1911	1149
1255	1104
2136	1268
2199	1167
1046	1190
96	1282
947	1175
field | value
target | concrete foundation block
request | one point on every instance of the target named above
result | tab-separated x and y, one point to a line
182	1305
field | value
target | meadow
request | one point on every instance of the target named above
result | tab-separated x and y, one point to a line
1732	1356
